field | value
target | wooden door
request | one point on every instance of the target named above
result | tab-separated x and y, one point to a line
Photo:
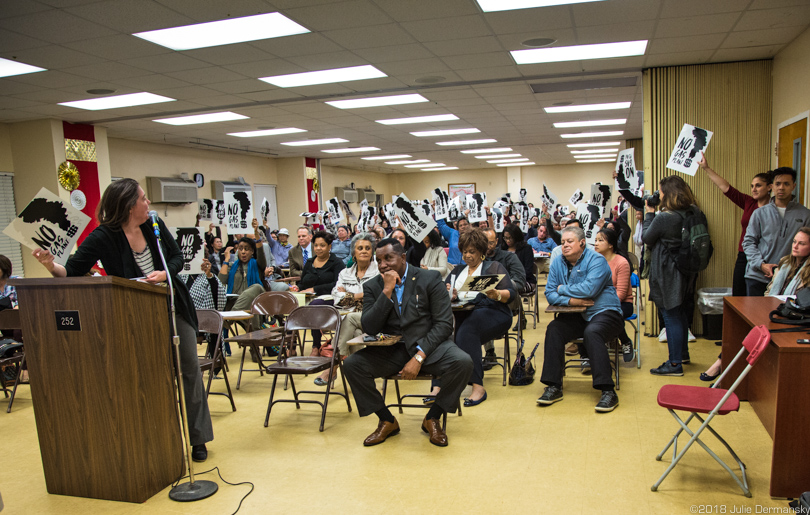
792	152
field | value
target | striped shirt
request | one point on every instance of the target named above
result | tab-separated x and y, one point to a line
144	261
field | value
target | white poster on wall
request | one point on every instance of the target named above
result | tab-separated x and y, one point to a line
238	212
692	142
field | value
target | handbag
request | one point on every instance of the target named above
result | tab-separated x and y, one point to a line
793	312
522	373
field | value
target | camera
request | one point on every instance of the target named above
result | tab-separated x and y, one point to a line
652	200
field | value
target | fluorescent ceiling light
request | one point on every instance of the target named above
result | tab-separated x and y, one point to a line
579	52
486	150
325	141
429	165
202	118
516	164
603	144
351	73
445	132
497	156
419	119
380	158
268	132
441	168
587	107
116	101
10	68
392	100
466	142
592	134
595	156
594	151
348	150
508	160
489	6
407	162
596	160
224	32
590	123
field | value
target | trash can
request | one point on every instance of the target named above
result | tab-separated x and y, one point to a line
710	304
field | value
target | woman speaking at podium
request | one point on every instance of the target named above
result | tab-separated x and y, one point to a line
125	244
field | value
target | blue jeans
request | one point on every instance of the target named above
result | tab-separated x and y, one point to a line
677	326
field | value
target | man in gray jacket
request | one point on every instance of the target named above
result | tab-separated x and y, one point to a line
771	230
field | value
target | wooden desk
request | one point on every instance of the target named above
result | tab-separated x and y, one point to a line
778	388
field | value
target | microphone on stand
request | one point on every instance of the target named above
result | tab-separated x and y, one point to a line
153	215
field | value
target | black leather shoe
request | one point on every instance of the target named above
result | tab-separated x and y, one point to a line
199	453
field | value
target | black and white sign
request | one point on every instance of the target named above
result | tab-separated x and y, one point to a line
576	198
238	211
476	203
549	199
207	209
588	215
627	177
601	197
349	213
390	214
414	220
48	223
523	194
366	221
440	200
311	218
454	209
334	210
481	282
192	244
497	219
263	210
692	142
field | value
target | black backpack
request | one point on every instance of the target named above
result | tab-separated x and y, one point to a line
794	312
696	249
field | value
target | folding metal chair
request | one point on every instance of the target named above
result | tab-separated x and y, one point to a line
210	321
713	401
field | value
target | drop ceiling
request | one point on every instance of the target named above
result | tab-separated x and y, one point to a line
448	51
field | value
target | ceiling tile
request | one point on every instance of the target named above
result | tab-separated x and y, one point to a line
744	54
153	83
753	38
775	18
209	11
385	54
499	72
229	54
119	46
108	70
465	46
441	29
326	61
419	66
55	26
301	44
536	21
53	56
610	32
614	12
51	79
131	16
211	74
489	60
369	37
692	26
343	15
163	63
267	68
514	41
685	44
10	41
679	8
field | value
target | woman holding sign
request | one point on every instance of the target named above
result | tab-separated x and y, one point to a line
125	244
490	316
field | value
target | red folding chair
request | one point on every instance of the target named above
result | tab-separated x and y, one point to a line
714	401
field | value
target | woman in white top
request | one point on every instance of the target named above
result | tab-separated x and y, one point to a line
435	257
350	283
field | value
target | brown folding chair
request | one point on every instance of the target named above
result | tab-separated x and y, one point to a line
324	318
10	319
396	378
210	321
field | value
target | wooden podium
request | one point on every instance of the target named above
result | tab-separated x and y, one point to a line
100	365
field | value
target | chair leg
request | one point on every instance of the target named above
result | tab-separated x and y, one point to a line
399	397
270	402
228	387
326	399
16	383
241	366
345	388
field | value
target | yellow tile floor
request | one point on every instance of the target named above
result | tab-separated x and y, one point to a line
505	456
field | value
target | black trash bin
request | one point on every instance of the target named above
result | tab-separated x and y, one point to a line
710	304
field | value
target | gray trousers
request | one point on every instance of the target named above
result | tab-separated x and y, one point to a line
245	300
349	328
363	367
200	429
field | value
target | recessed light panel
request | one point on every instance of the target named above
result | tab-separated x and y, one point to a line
466	142
508	160
486	150
10	68
392	100
407	162
429	165
592	134
224	32
268	132
325	141
590	123
202	118
349	150
489	6
117	101
441	168
588	107
579	52
444	132
497	156
596	160
602	144
419	119
380	158
594	151
516	164
351	73
596	156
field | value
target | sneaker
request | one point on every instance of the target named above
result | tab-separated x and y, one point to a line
668	369
662	336
550	395
690	336
686	360
585	366
607	402
628	352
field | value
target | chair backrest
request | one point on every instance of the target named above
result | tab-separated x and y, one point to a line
209	321
322	317
758	338
633	260
274	303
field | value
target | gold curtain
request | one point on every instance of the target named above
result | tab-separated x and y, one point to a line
734	101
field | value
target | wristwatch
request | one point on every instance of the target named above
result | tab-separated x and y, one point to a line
418	358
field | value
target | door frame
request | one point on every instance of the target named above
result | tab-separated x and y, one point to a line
799	117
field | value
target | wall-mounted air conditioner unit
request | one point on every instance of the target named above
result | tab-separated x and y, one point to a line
171	190
369	194
346	193
221	187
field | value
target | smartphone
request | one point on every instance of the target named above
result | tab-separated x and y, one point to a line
804	342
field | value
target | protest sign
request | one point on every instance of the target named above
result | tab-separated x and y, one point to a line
601	197
192	245
476	203
627	177
334	210
414	220
549	199
588	215
691	144
238	211
441	200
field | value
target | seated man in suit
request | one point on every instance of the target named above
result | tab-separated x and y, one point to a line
581	277
414	303
301	253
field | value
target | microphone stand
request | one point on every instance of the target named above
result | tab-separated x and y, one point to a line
193	490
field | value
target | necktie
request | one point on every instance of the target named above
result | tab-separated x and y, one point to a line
306	256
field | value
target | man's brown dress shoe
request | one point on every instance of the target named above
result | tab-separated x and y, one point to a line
384	430
433	428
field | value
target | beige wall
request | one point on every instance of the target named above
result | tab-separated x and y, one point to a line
333	177
6	159
563	180
418	186
791	75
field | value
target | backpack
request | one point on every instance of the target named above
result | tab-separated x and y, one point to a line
695	251
795	312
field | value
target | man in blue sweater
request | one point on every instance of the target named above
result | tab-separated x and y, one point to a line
581	277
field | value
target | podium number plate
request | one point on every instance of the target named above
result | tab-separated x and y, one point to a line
68	321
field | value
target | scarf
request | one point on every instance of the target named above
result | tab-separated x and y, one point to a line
781	276
252	276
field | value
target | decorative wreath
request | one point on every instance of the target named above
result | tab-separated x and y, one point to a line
315	185
68	176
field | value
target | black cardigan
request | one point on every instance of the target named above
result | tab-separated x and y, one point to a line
489	268
112	249
322	279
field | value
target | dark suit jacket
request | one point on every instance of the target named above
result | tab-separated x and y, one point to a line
426	319
296	256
